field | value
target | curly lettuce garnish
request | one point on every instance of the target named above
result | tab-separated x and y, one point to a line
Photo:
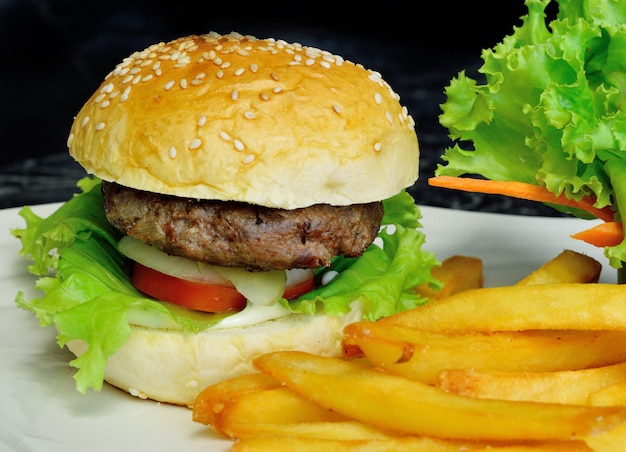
87	293
551	111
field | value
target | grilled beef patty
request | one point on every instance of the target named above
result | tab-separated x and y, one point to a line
243	235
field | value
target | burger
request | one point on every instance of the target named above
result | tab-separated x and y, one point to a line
242	196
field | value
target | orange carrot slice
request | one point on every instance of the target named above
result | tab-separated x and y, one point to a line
610	233
519	190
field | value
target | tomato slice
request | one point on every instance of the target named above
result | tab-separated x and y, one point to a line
198	296
299	289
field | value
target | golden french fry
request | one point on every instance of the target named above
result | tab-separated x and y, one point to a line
272	406
567	387
568	267
611	394
390	402
346	430
421	354
457	273
404	444
613	440
211	400
525	307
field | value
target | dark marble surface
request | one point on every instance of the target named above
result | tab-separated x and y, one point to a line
59	51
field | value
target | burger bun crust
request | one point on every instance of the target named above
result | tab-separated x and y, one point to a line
236	118
174	367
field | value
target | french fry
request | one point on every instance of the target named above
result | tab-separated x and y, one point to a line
567	387
272	406
613	440
346	430
394	403
457	273
525	307
404	444
568	267
211	400
421	354
611	394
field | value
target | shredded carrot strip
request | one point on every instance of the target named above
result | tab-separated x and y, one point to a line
610	233
519	190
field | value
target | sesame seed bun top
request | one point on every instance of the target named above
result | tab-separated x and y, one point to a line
232	117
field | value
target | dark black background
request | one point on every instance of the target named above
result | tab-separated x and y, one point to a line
55	53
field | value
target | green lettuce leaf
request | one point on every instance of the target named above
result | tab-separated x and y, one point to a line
87	294
551	110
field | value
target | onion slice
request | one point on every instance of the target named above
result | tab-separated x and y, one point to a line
261	288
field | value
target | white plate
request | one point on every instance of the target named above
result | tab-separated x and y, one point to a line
40	410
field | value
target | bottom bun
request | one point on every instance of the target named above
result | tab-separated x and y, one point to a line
174	367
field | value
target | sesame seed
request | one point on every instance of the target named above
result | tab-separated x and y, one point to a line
238	145
99	97
169	85
173	152
254	67
249	115
325	64
136	393
239	71
183	83
195	143
264	96
105	104
224	136
378	98
378	146
100	126
124	96
70	138
234	95
107	88
274	76
219	74
248	158
136	80
84	122
309	62
337	109
389	117
202	120
147	77
277	89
